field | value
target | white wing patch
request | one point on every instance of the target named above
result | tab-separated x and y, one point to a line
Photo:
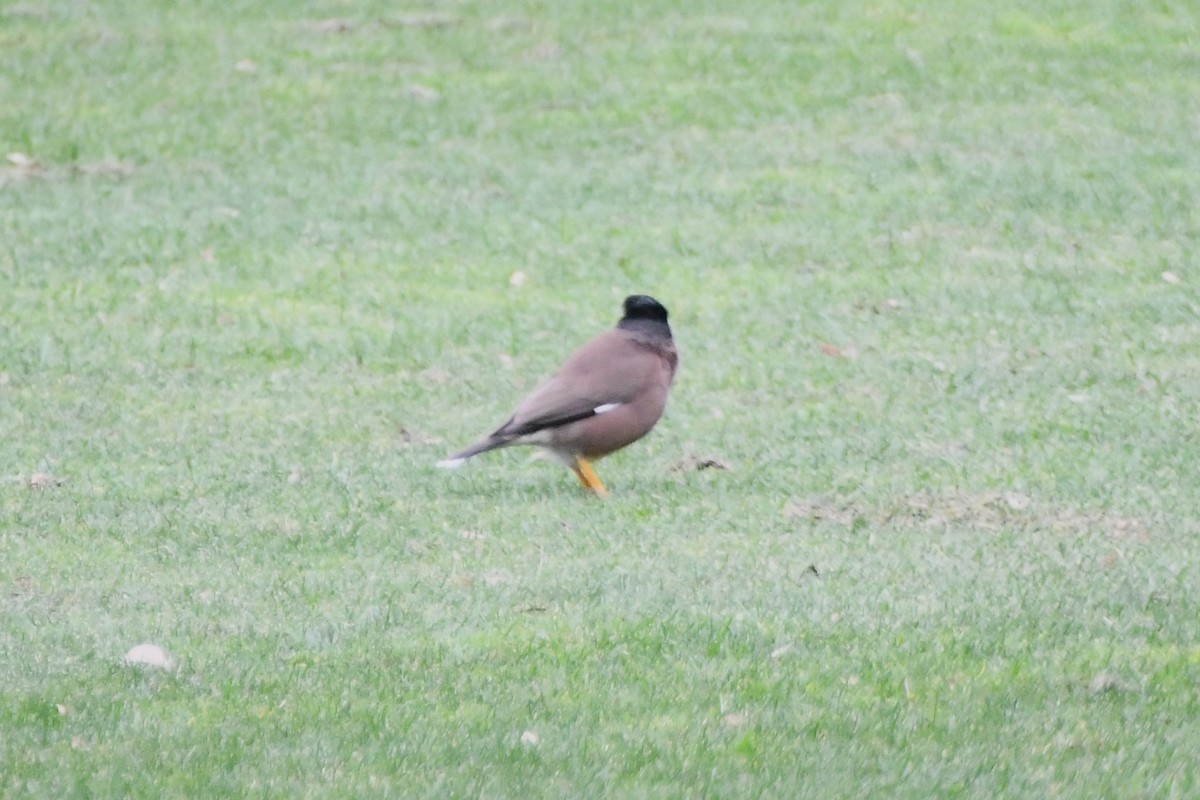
604	409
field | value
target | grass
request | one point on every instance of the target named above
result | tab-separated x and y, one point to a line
933	277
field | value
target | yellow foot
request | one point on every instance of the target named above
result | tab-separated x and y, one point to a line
588	477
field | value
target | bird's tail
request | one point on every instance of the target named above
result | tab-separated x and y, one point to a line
482	446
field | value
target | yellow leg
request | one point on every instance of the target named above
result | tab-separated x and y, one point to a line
588	477
579	474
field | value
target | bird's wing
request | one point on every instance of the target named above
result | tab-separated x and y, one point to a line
607	371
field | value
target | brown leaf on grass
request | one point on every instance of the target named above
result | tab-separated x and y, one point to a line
698	464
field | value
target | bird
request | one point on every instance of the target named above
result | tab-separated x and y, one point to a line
608	394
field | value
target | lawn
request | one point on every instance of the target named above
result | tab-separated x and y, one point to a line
933	275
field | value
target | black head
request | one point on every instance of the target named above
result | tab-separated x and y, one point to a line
644	313
641	306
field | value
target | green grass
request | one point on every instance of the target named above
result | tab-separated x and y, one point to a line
254	281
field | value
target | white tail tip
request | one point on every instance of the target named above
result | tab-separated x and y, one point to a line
451	463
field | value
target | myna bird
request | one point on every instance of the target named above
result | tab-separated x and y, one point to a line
608	394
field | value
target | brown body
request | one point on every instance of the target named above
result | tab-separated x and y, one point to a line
608	394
